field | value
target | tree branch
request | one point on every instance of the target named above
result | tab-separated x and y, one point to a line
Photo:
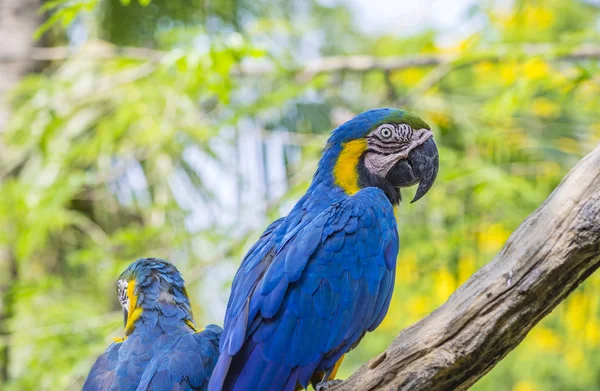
95	51
99	50
544	260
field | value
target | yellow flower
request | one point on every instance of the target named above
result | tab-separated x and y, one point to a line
393	318
417	306
508	73
445	284
493	238
536	69
574	358
410	76
575	315
466	267
524	386
540	17
440	118
545	338
407	272
545	108
592	333
484	68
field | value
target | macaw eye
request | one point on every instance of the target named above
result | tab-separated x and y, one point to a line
386	132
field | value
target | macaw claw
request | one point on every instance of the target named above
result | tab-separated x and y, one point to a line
325	385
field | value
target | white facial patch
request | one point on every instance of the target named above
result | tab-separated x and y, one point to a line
384	151
122	294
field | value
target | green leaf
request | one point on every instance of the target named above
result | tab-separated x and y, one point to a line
47	25
50	5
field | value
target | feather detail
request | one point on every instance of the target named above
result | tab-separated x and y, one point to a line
327	284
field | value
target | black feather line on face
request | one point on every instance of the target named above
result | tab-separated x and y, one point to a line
368	179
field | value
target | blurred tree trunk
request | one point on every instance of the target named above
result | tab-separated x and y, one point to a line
18	22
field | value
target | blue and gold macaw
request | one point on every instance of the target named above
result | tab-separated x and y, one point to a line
318	279
161	350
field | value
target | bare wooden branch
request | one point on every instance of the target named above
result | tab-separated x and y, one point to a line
95	51
99	50
544	260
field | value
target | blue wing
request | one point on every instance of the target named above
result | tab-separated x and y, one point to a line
103	374
187	366
310	298
254	265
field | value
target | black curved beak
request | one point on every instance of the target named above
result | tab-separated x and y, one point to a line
420	167
125	316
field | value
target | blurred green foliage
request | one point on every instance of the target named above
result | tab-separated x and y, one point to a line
96	139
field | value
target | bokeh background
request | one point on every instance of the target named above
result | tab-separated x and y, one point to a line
181	128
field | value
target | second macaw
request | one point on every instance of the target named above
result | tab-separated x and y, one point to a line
320	278
162	350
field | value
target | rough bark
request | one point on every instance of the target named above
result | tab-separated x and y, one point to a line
544	260
18	22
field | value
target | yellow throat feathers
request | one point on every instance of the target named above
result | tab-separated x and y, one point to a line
345	171
133	312
193	326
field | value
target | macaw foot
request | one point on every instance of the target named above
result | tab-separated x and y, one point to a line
325	385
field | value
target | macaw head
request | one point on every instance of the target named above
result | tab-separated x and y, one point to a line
152	284
385	148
